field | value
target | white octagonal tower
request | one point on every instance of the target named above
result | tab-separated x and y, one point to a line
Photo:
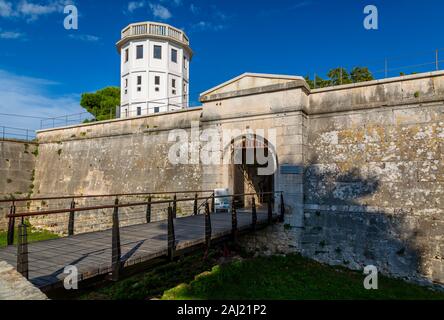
155	69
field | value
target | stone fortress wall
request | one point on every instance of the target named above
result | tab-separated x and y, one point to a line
17	163
369	184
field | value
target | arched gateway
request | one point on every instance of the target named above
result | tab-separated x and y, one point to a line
252	168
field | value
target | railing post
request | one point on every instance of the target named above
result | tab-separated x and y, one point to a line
207	227
22	250
270	210
116	250
175	206
148	210
11	225
71	219
195	204
171	234
253	213
213	204
233	221
282	215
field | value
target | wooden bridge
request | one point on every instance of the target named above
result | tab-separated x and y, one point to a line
113	251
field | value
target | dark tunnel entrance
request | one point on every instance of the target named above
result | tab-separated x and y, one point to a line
248	153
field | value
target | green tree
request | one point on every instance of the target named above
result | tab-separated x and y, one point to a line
361	74
339	76
309	81
102	104
319	83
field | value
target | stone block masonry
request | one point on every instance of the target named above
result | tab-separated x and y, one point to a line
17	164
366	185
120	156
373	180
379	185
13	286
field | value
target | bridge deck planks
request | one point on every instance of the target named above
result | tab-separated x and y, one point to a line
91	252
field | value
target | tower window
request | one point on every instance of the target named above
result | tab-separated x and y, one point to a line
139	54
157	80
126	55
156	109
173	85
126	83
139	111
157	52
174	55
139	83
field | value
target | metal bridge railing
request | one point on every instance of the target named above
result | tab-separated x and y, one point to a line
146	204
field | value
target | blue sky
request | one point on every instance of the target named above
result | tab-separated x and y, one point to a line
44	68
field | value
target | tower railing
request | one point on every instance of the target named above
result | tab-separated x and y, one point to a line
155	29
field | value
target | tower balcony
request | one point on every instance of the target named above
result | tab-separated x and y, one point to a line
155	30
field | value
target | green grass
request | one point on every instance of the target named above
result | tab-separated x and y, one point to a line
33	236
291	278
154	282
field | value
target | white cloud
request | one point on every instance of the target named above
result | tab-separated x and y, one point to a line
11	35
206	25
31	10
194	9
30	96
174	2
293	7
157	10
6	9
302	4
84	37
216	19
134	5
160	11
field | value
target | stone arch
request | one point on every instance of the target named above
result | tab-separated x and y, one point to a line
239	173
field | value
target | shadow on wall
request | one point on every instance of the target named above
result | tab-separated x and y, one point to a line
341	228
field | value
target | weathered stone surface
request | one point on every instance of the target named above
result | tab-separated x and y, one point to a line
17	163
372	187
13	286
120	157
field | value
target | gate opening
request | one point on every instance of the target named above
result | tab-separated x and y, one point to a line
244	171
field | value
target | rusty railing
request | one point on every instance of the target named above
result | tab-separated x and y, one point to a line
117	265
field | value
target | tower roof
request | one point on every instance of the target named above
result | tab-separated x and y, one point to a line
149	29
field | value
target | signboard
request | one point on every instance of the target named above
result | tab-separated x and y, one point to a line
291	169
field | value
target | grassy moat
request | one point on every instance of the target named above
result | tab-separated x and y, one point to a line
34	235
289	277
241	276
